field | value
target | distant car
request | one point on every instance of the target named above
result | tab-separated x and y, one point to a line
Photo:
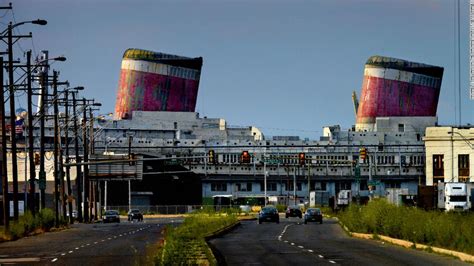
313	215
111	216
74	214
245	208
293	211
135	214
268	214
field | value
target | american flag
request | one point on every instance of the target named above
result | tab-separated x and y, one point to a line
18	126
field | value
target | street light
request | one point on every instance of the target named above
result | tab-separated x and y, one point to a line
12	108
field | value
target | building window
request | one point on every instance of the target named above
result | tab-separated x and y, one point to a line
271	186
392	184
219	186
290	186
438	165
244	186
321	186
363	185
463	165
401	127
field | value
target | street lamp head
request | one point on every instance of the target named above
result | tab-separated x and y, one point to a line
60	58
39	22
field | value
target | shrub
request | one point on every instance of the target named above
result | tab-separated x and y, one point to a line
449	230
185	245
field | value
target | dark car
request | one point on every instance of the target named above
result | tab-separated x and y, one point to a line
268	214
293	211
313	215
134	214
111	216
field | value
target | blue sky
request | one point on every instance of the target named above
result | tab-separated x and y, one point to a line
287	67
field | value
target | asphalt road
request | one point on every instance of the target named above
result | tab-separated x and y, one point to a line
291	242
121	243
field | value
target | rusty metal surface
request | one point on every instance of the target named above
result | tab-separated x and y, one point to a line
394	87
152	81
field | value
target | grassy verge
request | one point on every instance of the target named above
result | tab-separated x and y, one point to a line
435	228
186	245
30	224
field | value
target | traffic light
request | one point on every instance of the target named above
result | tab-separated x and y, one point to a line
302	158
245	157
363	153
37	159
212	157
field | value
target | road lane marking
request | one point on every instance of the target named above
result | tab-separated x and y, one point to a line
286	241
63	254
292	244
70	251
120	235
95	243
54	260
76	248
310	250
321	256
331	261
88	244
300	246
109	238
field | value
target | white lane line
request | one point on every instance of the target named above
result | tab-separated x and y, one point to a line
300	246
292	244
76	248
88	244
310	250
331	261
70	251
95	243
102	240
115	236
55	259
109	238
286	241
63	254
321	256
120	235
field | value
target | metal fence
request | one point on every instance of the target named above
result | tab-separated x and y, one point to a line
165	209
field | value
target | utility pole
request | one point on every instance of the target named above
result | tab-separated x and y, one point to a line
78	160
68	168
32	188
3	168
91	149
56	147
42	106
12	123
86	159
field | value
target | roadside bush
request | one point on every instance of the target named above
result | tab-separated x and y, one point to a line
281	208
186	245
449	230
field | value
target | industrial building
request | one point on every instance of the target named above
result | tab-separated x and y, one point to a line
399	100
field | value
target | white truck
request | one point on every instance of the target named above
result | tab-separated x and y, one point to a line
455	196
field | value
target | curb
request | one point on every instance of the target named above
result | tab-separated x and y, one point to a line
217	255
408	244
